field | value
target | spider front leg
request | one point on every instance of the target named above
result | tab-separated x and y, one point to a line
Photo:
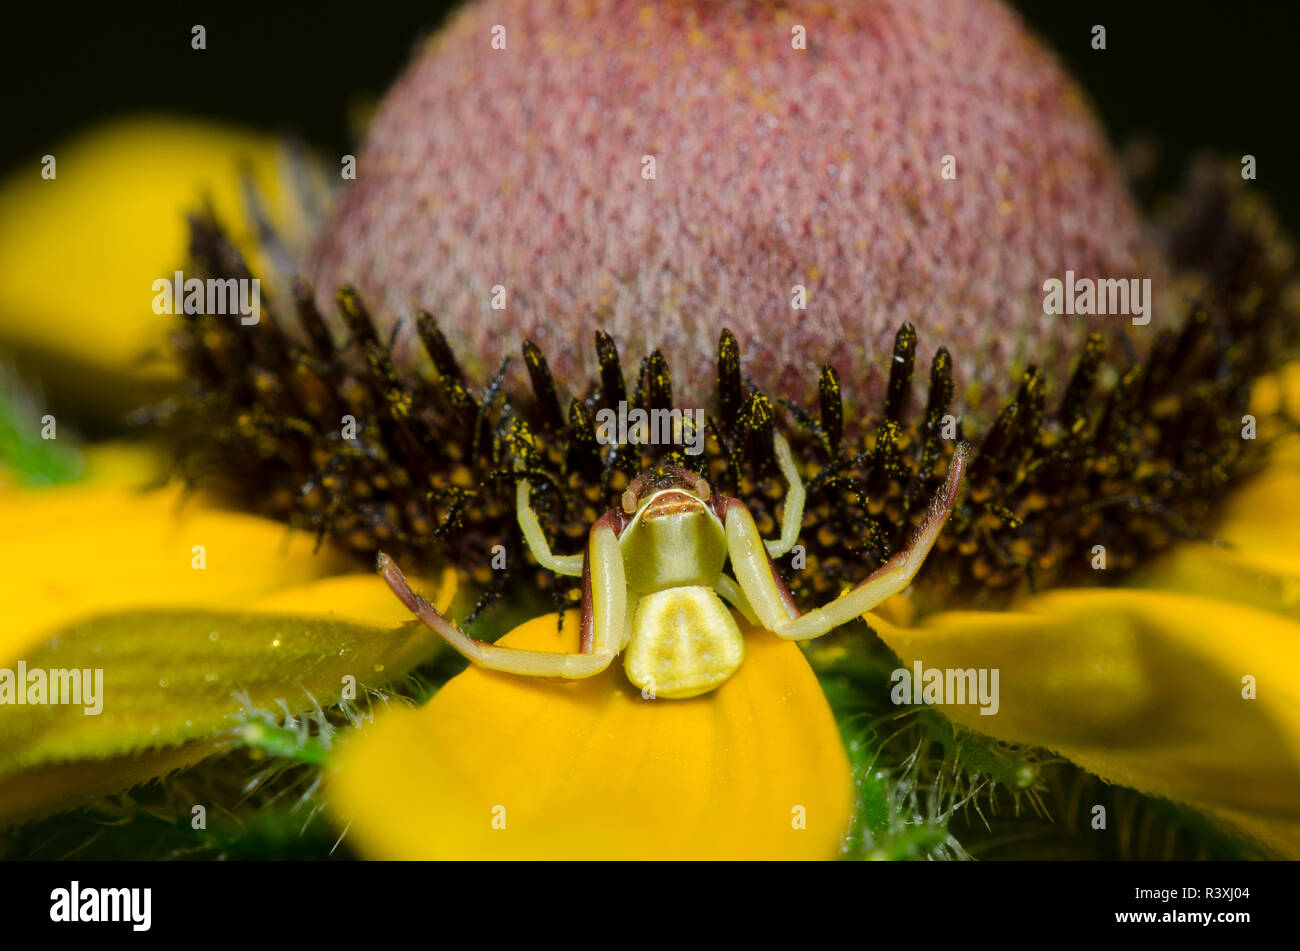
604	616
571	565
769	597
792	513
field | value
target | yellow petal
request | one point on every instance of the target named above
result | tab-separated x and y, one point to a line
1276	396
71	552
1248	577
498	766
358	599
1257	560
79	253
1143	688
129	464
97	576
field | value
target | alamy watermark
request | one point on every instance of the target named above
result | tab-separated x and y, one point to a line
663	427
76	904
226	296
57	687
1122	297
946	685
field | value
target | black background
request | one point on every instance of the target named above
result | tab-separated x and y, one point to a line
500	904
1186	75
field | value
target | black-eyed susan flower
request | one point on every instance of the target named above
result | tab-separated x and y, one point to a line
783	210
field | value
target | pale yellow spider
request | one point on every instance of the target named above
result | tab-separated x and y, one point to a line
652	575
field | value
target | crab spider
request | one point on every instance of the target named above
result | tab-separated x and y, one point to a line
653	584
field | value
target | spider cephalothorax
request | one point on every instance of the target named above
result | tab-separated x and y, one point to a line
653	583
670	477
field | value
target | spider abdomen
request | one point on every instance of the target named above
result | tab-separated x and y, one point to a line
684	642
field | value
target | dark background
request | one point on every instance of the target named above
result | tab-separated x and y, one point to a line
1186	75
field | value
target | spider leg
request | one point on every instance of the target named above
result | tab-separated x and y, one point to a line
733	595
792	514
604	616
606	605
529	524
757	577
771	599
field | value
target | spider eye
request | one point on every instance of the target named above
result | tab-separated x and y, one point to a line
629	502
